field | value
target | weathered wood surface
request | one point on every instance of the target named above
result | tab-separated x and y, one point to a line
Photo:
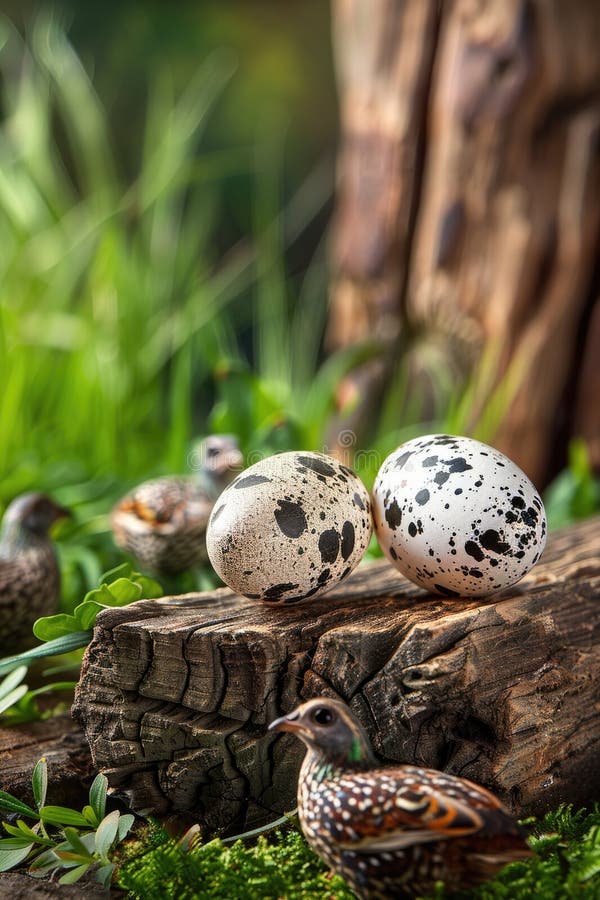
467	232
176	694
15	886
62	742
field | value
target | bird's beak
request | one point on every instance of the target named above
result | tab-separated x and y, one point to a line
61	514
287	723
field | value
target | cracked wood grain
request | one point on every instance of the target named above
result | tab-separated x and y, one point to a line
176	694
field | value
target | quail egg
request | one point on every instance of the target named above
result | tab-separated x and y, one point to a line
289	527
457	516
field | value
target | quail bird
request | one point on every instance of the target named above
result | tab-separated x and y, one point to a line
162	522
392	832
29	574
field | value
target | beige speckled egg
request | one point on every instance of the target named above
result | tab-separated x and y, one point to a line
289	527
457	516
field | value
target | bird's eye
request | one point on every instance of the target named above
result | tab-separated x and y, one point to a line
323	716
212	451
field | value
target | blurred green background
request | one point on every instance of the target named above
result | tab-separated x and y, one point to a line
166	181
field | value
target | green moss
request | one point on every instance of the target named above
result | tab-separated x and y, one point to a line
282	867
565	866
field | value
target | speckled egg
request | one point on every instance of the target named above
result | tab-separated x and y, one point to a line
289	527
456	516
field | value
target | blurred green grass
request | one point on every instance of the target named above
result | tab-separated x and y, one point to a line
122	323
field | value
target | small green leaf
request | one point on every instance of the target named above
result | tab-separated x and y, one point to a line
125	823
44	863
76	843
54	686
10	804
98	791
12	829
69	857
11	858
61	815
89	814
14	843
13	697
11	681
86	613
32	835
48	628
151	589
124	570
106	833
105	873
122	592
74	875
51	648
39	782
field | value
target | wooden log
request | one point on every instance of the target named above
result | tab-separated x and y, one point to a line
176	694
65	748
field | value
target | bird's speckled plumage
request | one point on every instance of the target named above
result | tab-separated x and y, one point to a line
392	832
29	574
162	522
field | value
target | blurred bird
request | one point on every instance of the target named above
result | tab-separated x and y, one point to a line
392	831
29	574
162	522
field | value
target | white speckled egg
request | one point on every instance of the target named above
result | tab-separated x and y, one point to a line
456	516
289	527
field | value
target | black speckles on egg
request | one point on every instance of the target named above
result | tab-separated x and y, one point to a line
393	515
329	545
490	540
402	459
480	526
290	518
290	527
317	465
473	549
216	513
347	545
324	576
249	481
276	591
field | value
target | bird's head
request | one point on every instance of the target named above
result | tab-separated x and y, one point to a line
34	512
219	457
330	730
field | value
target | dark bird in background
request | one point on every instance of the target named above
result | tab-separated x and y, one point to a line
393	831
29	574
162	522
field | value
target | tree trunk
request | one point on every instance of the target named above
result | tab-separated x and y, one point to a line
176	695
483	233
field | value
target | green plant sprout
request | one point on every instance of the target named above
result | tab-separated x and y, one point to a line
61	838
62	633
19	704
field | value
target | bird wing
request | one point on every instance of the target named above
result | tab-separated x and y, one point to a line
162	504
417	806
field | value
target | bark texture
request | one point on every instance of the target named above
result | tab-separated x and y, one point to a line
176	694
70	770
478	236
